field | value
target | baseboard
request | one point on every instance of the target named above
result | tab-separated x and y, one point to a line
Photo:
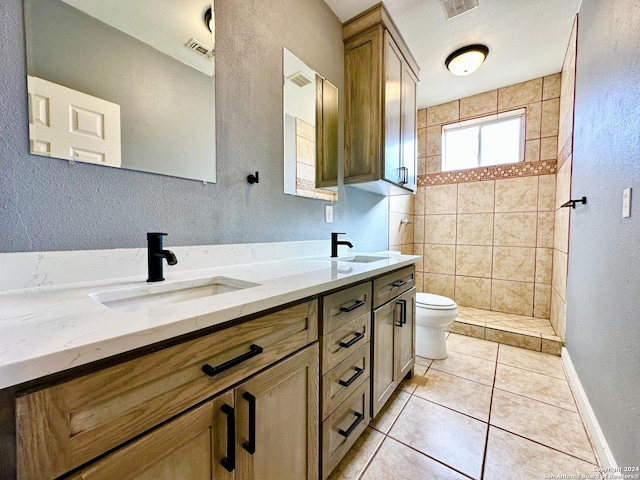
605	456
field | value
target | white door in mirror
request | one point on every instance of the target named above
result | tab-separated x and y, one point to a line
65	123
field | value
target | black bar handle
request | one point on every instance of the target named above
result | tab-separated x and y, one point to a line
229	462
358	303
399	283
573	203
359	336
253	351
250	444
403	311
352	427
346	383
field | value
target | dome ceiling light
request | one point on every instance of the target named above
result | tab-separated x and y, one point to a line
466	60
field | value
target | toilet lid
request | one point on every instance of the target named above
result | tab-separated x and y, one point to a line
433	300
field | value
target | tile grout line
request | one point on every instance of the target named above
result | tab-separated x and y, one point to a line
486	441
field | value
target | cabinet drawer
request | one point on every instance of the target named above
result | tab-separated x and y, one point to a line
338	384
390	286
341	307
64	426
343	427
342	342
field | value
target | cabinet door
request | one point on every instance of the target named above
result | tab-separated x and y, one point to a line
405	333
277	421
409	132
383	367
393	128
191	446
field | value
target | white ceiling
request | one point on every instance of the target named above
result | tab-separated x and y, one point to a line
526	39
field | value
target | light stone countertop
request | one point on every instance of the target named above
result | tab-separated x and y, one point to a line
49	329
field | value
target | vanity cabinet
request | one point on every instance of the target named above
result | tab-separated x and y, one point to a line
345	354
64	426
381	79
265	428
393	334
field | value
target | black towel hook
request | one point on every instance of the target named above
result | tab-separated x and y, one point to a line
253	178
572	203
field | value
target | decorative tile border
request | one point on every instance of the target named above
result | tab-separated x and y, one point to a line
521	169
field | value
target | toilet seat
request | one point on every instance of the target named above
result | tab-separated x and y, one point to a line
432	301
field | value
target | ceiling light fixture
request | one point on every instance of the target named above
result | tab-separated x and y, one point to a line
466	60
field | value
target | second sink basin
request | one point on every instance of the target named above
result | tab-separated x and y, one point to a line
158	295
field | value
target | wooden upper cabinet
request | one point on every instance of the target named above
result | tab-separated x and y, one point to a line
381	78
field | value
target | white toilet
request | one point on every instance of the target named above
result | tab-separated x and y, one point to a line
434	313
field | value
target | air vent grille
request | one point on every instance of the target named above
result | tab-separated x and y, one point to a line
453	8
300	79
199	47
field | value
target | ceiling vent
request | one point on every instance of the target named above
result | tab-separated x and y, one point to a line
453	8
300	79
199	47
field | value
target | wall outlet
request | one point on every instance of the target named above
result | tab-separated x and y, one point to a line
328	214
626	203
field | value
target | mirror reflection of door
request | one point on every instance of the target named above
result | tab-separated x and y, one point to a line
303	129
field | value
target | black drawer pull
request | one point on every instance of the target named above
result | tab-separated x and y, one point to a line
359	336
250	445
399	283
352	427
358	303
211	371
229	462
346	383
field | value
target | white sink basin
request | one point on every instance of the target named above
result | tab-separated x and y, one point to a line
362	259
161	294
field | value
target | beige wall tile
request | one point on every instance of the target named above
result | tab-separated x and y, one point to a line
418	229
514	263
439	284
512	297
550	117
552	347
473	261
475	229
466	329
419	281
441	199
533	119
422	168
558	314
305	130
473	292
561	230
517	340
551	86
434	141
546	192
549	148
440	259
559	280
517	194
563	184
532	150
418	201
476	197
545	229
433	164
418	249
422	142
544	264
440	229
401	204
480	104
443	113
422	118
515	229
520	94
399	234
542	301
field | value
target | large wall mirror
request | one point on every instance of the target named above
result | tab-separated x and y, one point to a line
310	131
123	83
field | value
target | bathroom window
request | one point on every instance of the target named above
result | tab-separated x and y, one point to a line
492	140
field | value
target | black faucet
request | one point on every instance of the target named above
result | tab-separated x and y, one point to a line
155	254
335	242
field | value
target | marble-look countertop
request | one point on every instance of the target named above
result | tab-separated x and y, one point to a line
49	329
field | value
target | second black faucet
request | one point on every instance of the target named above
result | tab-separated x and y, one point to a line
335	242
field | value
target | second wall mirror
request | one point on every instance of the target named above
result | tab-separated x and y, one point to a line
310	131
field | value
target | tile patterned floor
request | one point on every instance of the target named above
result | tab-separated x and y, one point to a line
518	330
489	411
